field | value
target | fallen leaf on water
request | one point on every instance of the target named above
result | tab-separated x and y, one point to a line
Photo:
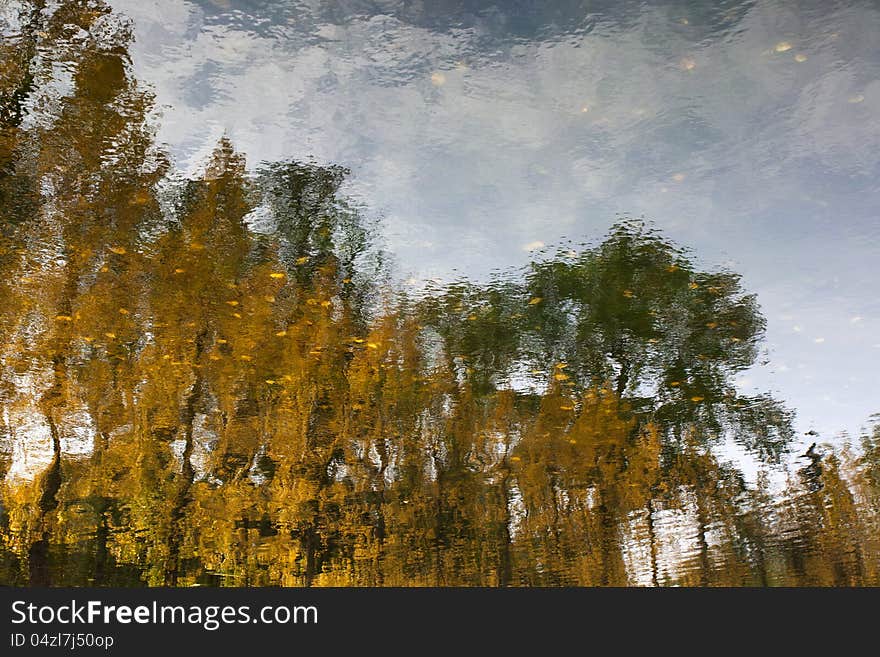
559	376
629	294
535	301
277	274
712	325
281	334
269	299
372	345
782	46
245	357
303	260
696	398
232	303
64	318
112	336
179	270
800	58
118	250
693	286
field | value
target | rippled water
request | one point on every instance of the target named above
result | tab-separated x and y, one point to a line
444	293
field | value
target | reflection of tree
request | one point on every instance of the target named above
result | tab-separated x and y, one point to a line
217	389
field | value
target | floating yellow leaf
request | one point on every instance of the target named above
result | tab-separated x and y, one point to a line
559	376
358	340
471	317
573	441
269	299
104	269
629	294
277	274
800	58
270	381
782	46
561	366
88	338
112	336
735	339
566	408
303	260
693	286
221	341
232	303
196	246
674	384
687	64
312	302
64	318
515	459
712	325
281	334
214	357
696	398
326	304
535	301
672	268
118	250
236	315
653	340
124	311
179	270
245	357
346	281
372	345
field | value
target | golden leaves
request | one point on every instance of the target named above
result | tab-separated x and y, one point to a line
534	301
277	274
118	250
782	46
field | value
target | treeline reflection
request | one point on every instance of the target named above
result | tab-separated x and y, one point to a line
208	381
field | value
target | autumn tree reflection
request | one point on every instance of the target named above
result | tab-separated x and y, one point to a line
210	381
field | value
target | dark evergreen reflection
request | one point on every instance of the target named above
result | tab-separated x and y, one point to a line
207	382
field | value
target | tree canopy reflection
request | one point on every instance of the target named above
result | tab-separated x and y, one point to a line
208	381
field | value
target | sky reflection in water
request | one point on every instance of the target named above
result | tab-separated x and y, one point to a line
749	131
